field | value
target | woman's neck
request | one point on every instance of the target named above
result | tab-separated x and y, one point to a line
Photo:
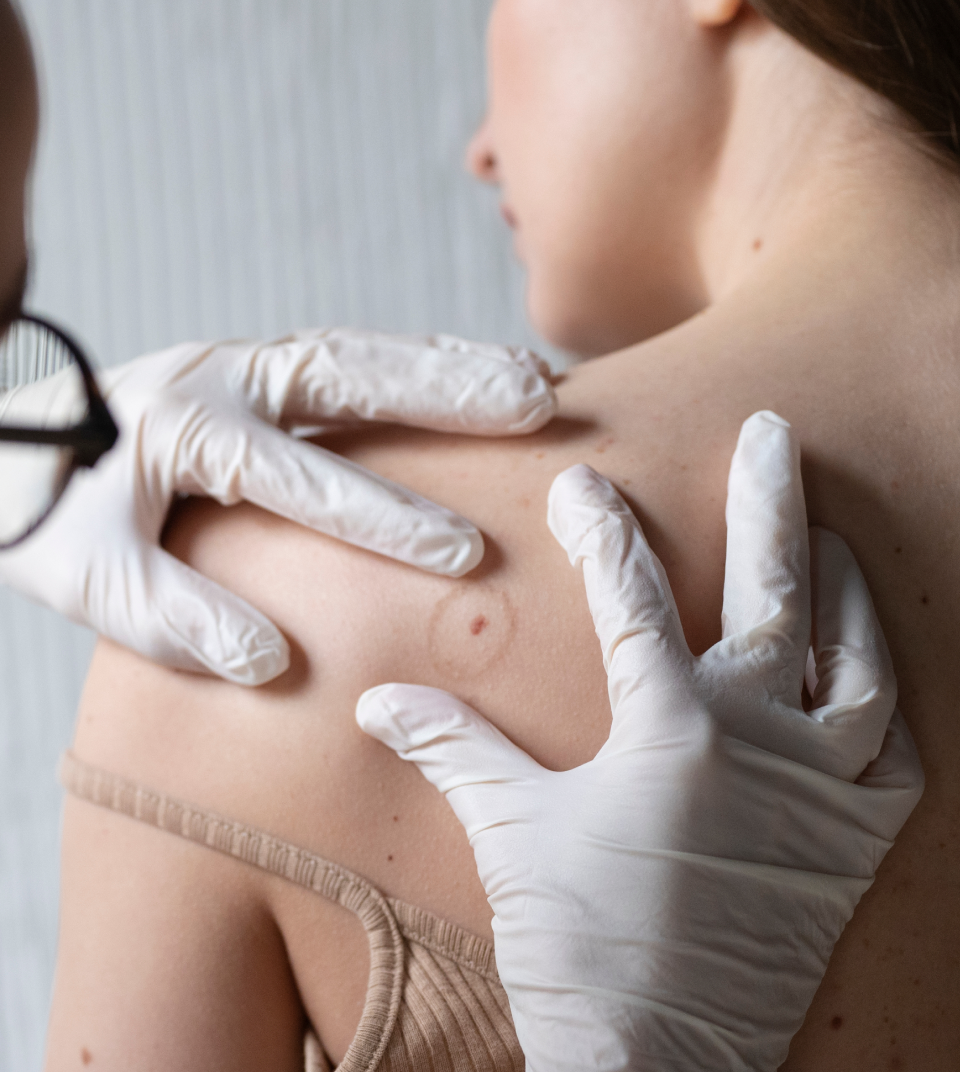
816	179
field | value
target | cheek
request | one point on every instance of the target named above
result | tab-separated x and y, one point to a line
605	236
599	131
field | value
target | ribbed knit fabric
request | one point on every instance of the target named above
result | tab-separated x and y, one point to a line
434	1001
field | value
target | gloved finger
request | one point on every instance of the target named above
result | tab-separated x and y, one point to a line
766	586
436	382
856	690
456	749
252	461
176	616
897	769
628	592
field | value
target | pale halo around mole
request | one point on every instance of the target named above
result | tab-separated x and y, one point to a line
470	629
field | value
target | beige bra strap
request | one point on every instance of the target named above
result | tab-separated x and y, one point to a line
446	938
279	858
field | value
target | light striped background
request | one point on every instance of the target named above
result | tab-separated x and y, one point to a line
219	168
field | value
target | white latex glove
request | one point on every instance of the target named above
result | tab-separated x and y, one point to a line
212	419
672	904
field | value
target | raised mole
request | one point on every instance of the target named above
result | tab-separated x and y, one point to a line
478	625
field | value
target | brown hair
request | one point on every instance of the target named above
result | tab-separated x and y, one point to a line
906	50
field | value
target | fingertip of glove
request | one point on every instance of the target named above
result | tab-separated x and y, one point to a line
258	665
371	708
576	496
761	427
380	714
541	408
578	480
826	539
465	554
527	407
389	704
535	400
764	418
432	538
768	454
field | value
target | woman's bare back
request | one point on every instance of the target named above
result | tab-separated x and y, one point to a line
876	417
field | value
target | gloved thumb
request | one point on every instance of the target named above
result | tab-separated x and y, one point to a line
455	747
176	616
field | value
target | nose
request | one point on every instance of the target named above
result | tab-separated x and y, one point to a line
481	157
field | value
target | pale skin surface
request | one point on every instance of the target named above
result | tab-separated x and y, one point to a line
821	250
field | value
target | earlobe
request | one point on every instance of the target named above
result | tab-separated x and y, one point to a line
715	12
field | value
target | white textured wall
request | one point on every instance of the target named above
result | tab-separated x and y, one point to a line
221	168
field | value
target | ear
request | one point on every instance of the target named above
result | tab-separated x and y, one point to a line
709	13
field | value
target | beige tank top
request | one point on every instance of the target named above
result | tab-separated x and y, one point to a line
434	1001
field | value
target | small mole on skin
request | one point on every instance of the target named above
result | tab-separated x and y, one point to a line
898	550
539	455
466	612
86	1056
396	818
836	1022
390	858
924	599
758	244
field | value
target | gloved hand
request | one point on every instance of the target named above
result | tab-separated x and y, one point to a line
202	419
672	904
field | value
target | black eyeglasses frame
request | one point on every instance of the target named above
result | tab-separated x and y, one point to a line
89	440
